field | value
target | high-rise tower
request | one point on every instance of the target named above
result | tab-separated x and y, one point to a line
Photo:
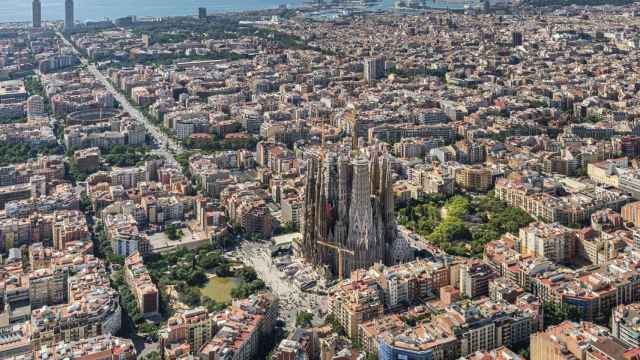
37	13
374	68
202	13
69	19
517	39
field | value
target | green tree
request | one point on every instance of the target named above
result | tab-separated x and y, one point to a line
420	217
303	319
190	296
451	230
210	260
241	291
154	355
555	314
286	228
245	289
173	232
13	120
127	155
452	233
247	273
197	278
75	173
85	203
212	305
149	328
458	207
335	324
19	153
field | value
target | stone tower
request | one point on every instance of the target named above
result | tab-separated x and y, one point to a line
363	236
349	203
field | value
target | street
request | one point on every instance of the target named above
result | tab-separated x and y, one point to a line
167	147
292	299
418	242
254	254
161	139
143	348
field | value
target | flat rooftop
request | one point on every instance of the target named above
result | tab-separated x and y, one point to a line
285	239
12	87
160	243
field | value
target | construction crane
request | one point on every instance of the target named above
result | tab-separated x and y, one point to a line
341	251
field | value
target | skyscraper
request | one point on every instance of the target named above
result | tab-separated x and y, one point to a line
69	19
37	13
374	68
349	204
202	13
517	39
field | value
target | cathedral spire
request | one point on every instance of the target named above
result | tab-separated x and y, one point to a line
349	203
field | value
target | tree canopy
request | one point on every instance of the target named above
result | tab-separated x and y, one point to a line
450	228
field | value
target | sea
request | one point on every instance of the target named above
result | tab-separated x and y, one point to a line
95	10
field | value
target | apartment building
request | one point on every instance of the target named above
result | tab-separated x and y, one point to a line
139	281
242	328
570	340
101	347
193	328
474	178
625	325
357	300
92	310
552	241
474	279
47	286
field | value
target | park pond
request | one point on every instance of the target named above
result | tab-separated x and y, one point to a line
219	288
